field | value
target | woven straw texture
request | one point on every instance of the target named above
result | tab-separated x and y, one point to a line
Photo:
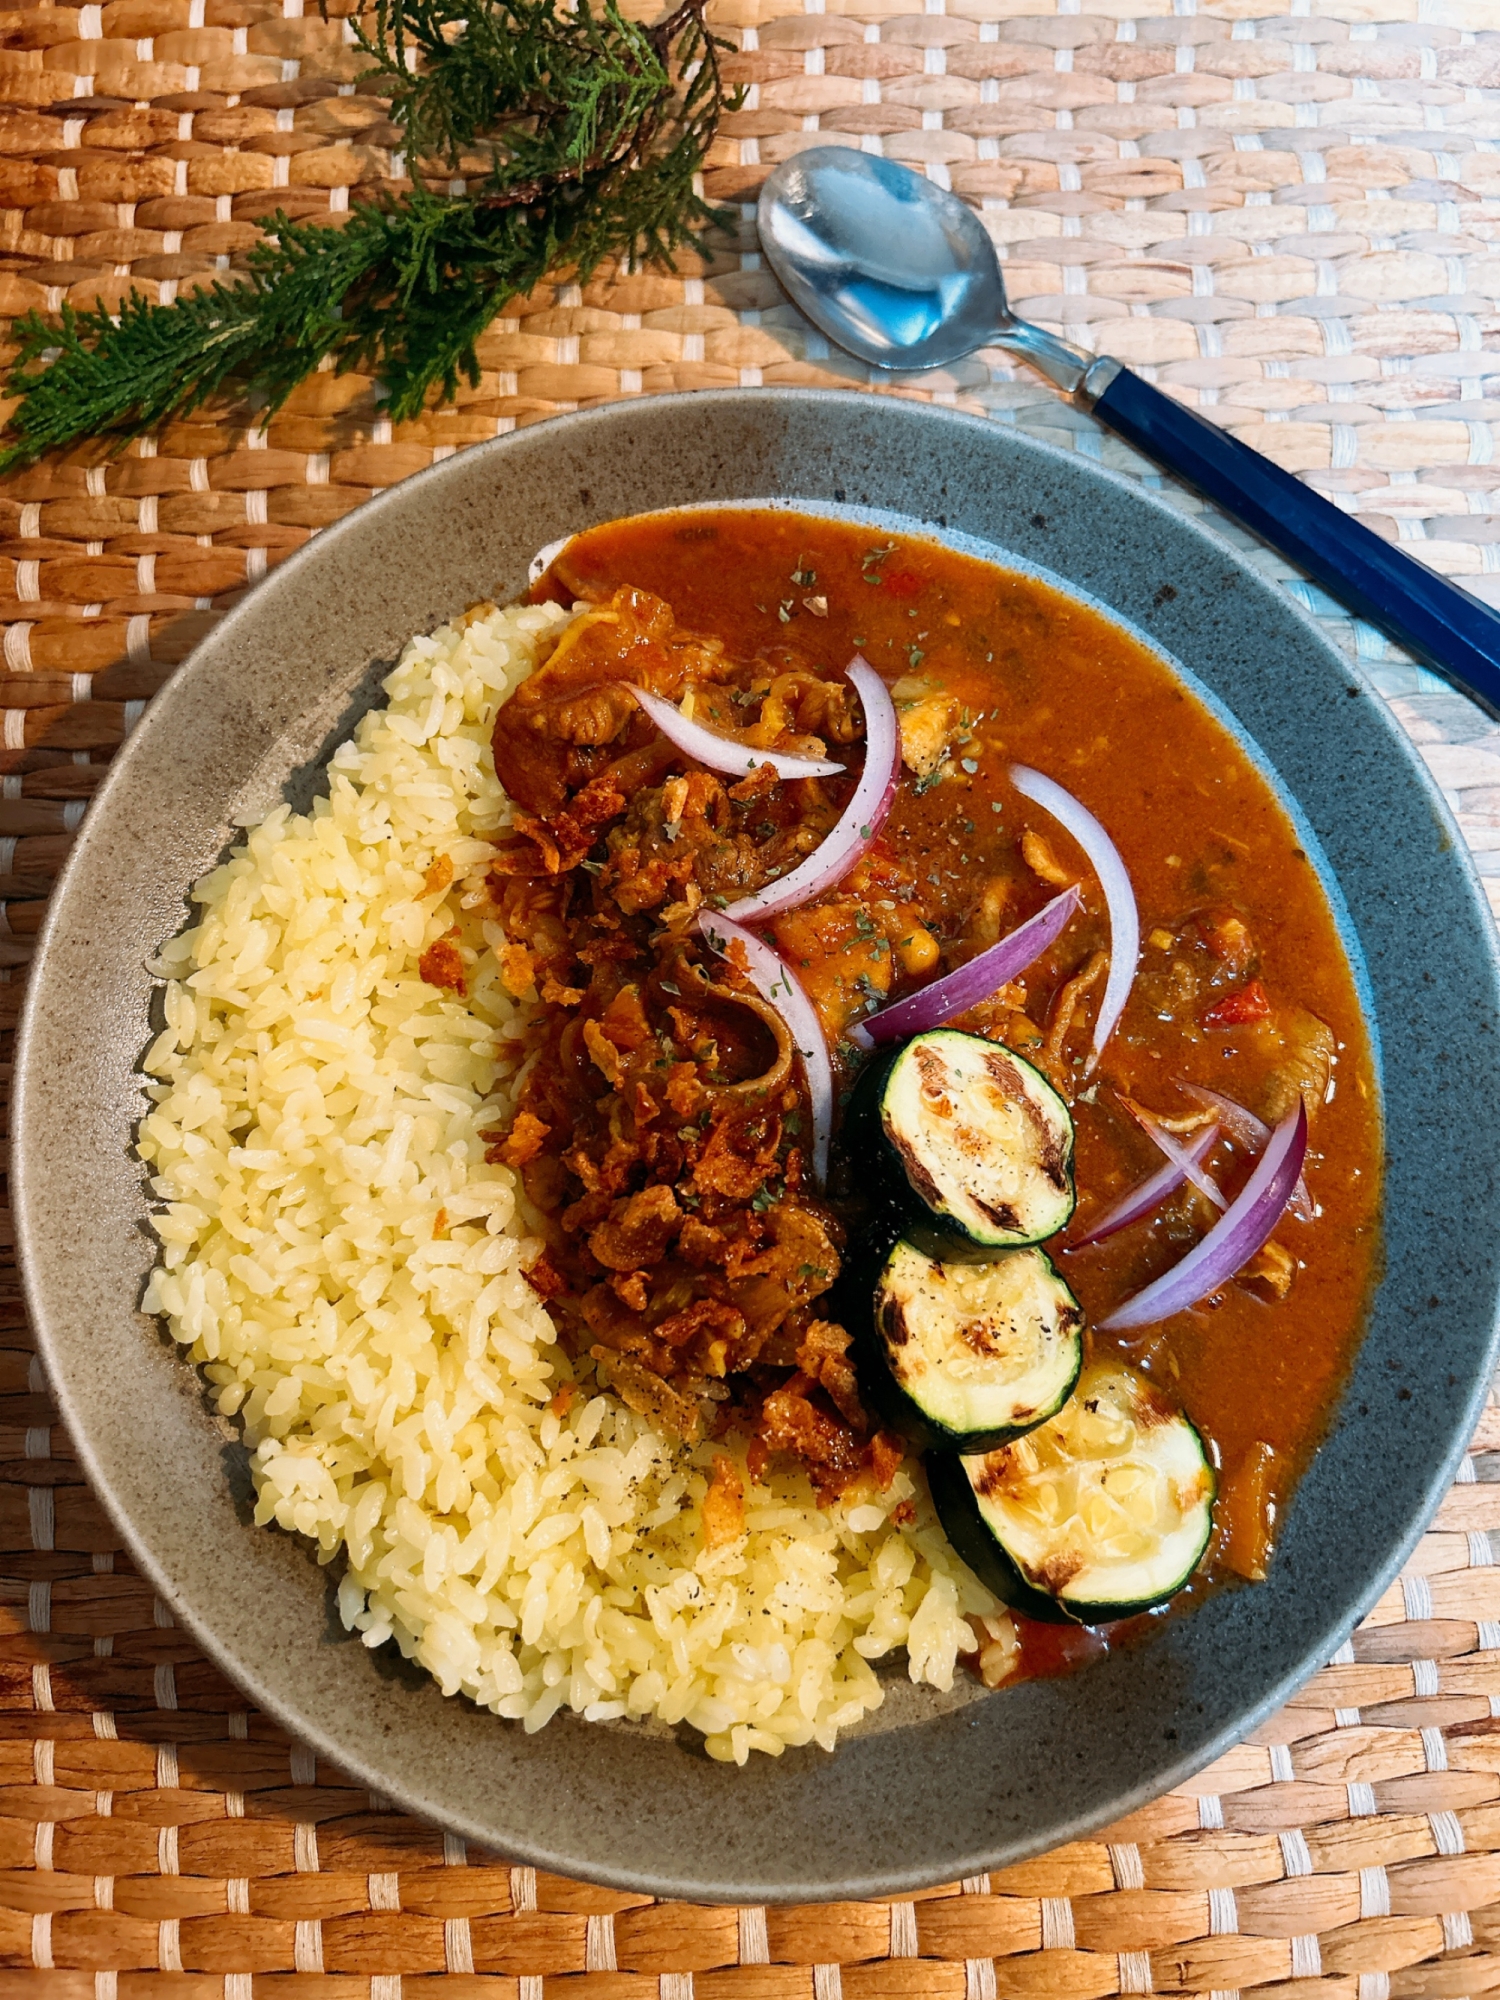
1285	211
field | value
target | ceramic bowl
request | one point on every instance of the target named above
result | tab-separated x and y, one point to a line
932	1788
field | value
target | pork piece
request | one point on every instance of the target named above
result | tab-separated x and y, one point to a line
1037	853
639	1230
799	704
554	733
837	1455
728	842
988	917
824	1355
540	951
575	717
1308	1053
1065	1009
792	1245
712	1330
928	720
1269	1273
526	1138
792	1423
849	951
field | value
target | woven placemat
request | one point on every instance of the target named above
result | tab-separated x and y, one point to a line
1284	212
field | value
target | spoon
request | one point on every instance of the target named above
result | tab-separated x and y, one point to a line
903	275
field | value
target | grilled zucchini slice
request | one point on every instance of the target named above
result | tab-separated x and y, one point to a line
1103	1512
977	1136
966	1353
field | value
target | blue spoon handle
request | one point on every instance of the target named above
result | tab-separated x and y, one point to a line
1452	631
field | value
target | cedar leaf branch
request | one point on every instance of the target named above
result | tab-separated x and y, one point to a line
589	131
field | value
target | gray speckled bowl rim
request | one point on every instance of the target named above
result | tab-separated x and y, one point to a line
933	1790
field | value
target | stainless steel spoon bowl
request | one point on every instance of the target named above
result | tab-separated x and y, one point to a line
895	268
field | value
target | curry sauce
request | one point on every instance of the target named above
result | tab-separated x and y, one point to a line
662	1132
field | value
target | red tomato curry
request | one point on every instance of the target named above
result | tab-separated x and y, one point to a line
663	1128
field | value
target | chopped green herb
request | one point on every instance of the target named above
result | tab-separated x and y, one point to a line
971	765
915	656
926	782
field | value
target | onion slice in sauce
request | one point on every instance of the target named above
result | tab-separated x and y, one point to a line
1119	897
1148	1194
777	984
1240	1231
1181	1157
723	753
860	821
1251	1132
972	982
543	560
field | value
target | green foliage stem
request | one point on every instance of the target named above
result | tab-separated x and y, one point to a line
591	131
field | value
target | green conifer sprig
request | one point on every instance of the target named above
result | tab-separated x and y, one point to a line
591	130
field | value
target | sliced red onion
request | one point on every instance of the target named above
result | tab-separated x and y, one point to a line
1250	1132
1148	1194
1119	897
1185	1161
723	753
777	984
972	982
543	560
1244	1226
860	821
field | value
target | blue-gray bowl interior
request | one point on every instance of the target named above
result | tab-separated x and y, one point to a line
933	1789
